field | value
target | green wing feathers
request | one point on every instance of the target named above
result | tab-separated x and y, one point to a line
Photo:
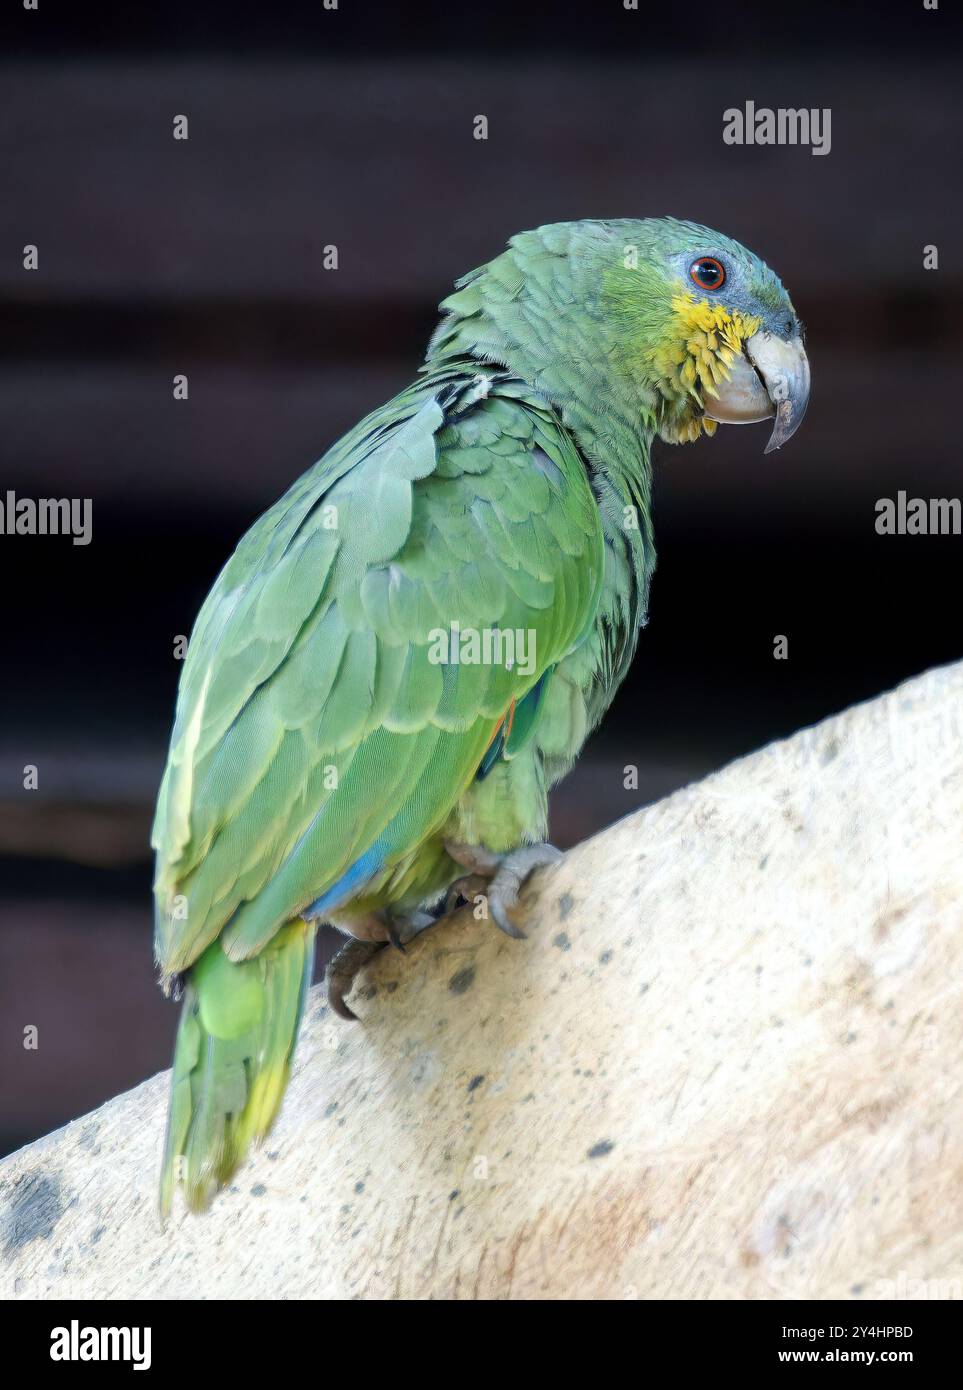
315	732
310	709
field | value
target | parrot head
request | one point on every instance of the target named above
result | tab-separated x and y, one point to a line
710	327
657	317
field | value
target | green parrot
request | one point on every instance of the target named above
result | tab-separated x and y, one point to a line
410	647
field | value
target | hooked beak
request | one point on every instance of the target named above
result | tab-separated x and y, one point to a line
771	378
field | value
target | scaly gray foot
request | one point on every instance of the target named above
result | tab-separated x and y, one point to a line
342	969
401	930
379	929
505	874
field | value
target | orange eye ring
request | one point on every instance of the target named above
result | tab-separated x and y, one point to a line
707	273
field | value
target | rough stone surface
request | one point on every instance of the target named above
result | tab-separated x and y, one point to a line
725	1064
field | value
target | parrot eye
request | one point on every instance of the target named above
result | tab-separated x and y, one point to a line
707	273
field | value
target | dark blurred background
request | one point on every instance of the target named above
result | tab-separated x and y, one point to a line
354	127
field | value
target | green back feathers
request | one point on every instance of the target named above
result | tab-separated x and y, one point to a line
309	677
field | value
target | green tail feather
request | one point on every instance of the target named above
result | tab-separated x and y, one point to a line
238	1028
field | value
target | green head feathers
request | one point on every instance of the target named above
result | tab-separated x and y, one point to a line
650	321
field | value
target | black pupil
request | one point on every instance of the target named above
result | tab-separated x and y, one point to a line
708	273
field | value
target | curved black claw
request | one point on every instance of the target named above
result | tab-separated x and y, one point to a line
394	935
502	920
402	930
506	874
342	969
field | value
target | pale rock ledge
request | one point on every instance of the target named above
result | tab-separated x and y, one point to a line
726	1063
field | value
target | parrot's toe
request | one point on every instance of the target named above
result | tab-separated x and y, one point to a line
343	968
378	928
465	888
401	930
505	887
505	874
498	906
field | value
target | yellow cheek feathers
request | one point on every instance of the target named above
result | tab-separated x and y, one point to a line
692	358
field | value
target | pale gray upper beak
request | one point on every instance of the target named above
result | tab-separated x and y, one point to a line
770	378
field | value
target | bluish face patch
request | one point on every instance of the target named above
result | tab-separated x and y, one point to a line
750	287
